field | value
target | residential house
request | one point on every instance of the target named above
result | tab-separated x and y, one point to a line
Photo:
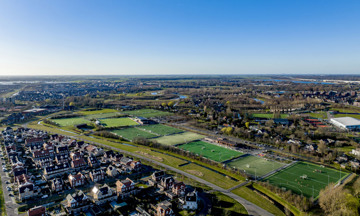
56	170
78	163
93	162
56	184
37	211
112	171
26	190
40	154
103	194
34	141
62	150
77	202
76	155
189	202
166	183
97	175
164	209
76	180
135	165
63	158
156	177
125	188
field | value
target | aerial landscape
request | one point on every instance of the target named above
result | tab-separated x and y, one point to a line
163	108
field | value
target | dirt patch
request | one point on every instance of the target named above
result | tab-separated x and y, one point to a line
150	156
195	172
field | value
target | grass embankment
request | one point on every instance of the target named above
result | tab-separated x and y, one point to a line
255	198
319	115
2	200
278	199
210	176
347	115
226	205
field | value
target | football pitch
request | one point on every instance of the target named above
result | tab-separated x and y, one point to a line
179	138
147	113
160	129
255	165
117	122
210	151
132	133
306	178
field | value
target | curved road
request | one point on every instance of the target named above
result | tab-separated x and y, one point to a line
251	208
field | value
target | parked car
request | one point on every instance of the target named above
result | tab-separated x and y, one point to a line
45	196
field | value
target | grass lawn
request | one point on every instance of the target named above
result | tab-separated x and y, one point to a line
347	110
131	133
290	178
321	115
211	151
252	164
179	138
160	129
268	115
101	115
210	176
2	200
255	198
227	204
84	112
118	122
64	122
347	115
147	113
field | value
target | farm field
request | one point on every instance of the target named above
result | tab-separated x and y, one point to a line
179	138
160	129
252	164
117	122
131	133
147	113
64	122
268	115
302	178
210	151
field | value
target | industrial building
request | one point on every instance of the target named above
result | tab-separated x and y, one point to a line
348	123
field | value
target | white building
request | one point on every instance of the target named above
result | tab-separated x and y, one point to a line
189	202
348	123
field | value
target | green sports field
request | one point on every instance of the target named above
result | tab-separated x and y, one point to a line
64	122
290	178
93	112
147	113
179	138
210	151
268	115
160	129
118	122
255	165
131	133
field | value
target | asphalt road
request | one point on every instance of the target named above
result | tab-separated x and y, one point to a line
10	205
251	208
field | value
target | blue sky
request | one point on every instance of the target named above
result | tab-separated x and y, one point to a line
60	37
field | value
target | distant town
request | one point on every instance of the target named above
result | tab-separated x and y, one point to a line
180	145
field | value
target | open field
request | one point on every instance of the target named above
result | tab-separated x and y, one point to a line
179	138
210	175
255	198
131	133
291	178
210	151
160	129
267	115
347	110
118	122
227	204
321	115
147	113
85	112
255	165
347	115
102	115
64	122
